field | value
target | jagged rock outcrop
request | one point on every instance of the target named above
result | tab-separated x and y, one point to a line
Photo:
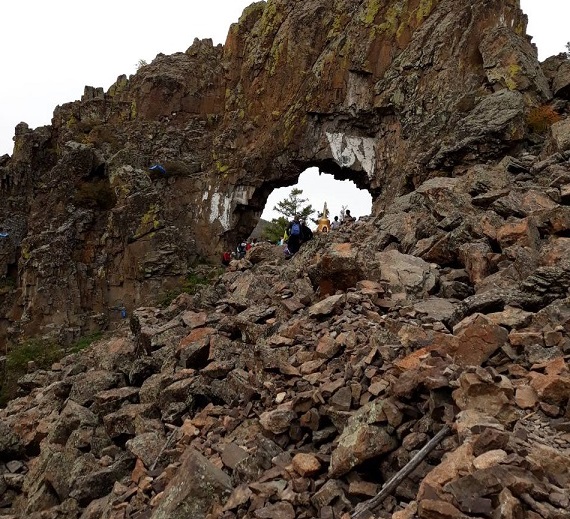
386	94
295	388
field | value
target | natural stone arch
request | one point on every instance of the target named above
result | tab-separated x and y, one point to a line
246	216
387	94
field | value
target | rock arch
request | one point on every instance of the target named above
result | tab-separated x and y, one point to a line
384	93
247	215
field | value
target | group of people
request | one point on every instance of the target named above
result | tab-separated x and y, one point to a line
347	218
240	250
296	233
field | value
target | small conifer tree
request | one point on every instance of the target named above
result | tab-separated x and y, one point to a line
288	207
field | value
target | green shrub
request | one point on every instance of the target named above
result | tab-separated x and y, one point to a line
85	341
43	353
198	278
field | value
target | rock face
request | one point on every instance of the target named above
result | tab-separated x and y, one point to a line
262	396
296	388
387	94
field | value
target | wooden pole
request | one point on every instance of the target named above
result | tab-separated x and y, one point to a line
364	510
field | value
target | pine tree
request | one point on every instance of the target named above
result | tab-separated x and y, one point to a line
294	205
275	230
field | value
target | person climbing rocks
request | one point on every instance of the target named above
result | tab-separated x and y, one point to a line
306	233
241	249
226	258
294	233
335	224
348	218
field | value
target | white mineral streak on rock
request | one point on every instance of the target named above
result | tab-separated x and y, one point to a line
347	150
220	210
222	206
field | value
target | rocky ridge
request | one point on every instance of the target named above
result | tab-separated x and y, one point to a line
296	389
387	94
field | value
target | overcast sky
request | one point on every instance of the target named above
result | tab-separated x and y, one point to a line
50	50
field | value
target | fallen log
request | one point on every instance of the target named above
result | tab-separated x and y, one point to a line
365	510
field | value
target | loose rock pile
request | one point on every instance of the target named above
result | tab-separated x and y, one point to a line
297	389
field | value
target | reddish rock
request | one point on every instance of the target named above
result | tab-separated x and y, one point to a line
363	488
523	339
232	455
406	275
361	440
194	349
327	347
489	459
475	257
147	447
277	421
306	465
194	319
478	339
523	233
123	422
452	465
281	510
326	306
510	318
551	387
434	509
342	399
526	397
509	506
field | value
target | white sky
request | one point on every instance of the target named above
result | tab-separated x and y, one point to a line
50	50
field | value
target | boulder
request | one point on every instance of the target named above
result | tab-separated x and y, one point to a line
194	490
406	276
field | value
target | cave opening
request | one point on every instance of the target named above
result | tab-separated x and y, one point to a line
317	188
320	182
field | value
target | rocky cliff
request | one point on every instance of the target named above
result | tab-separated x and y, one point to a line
298	388
384	93
291	389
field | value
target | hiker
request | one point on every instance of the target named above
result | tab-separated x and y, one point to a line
306	233
226	258
335	224
3	234
348	218
294	233
241	250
